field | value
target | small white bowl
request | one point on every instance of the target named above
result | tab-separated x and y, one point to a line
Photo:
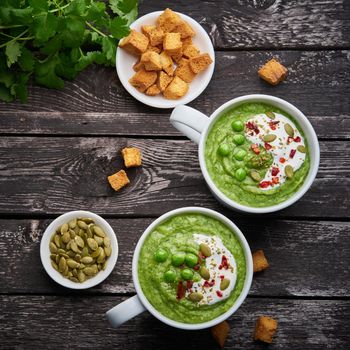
125	61
45	251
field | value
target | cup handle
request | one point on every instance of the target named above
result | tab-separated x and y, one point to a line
189	122
125	311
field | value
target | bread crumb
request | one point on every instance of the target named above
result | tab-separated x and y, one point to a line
118	180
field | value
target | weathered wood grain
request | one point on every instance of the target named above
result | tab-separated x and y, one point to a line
45	322
125	124
264	24
48	175
307	258
318	84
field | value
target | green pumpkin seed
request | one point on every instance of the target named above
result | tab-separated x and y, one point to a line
99	267
74	279
72	233
69	274
87	260
82	224
271	115
101	258
224	284
205	250
65	272
99	240
54	265
71	254
58	257
57	241
288	170
108	251
81	266
68	246
196	297
96	253
74	247
66	256
64	228
104	265
204	272
61	251
87	220
106	242
72	223
98	230
75	272
92	243
72	264
66	237
289	130
62	264
301	149
53	248
255	175
79	241
77	257
269	138
81	276
53	257
89	271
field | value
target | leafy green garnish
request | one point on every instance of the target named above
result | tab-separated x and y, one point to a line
53	40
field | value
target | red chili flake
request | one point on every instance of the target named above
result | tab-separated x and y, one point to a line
267	146
220	267
273	124
282	160
196	267
212	283
222	277
218	293
275	180
292	153
180	291
274	171
297	139
264	184
224	262
253	126
189	284
206	284
255	148
290	139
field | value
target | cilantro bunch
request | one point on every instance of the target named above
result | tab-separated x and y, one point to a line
53	40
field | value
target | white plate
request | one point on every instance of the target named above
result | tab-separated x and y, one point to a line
125	61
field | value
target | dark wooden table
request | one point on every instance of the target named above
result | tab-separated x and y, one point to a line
56	151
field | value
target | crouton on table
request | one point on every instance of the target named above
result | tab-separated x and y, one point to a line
260	262
132	157
172	44
199	63
273	72
163	80
220	333
135	43
143	79
118	180
265	329
151	61
168	20
176	89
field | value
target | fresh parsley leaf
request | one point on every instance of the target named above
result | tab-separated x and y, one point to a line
12	51
46	73
44	27
5	94
109	49
73	34
119	27
26	60
125	8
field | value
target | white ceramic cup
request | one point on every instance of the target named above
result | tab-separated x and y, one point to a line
139	303
196	126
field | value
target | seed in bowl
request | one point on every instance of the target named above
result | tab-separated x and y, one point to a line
79	249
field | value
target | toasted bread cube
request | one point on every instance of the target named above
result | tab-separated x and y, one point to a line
135	43
273	72
118	180
167	63
137	66
143	79
265	329
184	29
182	61
172	44
259	261
163	81
155	35
184	72
199	63
177	58
132	157
220	333
186	42
176	89
153	90
190	51
151	60
155	49
168	20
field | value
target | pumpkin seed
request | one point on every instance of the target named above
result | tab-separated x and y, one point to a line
72	264
92	243
104	265
72	223
72	233
58	257
66	256
53	248
75	272
82	224
255	175
108	251
87	260
106	242
81	276
65	272
99	240
87	220
205	250
85	252
204	272
71	254
89	271
301	149
79	241
94	267
196	297
68	245
66	237
99	267
64	228
98	230
289	130
57	241
101	257
224	284
74	279
288	170
269	138
61	251
74	247
271	115
96	253
69	274
53	257
54	265
81	266
77	257
62	264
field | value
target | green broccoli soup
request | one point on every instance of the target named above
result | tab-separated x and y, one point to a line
257	155
192	268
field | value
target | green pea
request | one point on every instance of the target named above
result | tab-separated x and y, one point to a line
224	149
238	139
240	154
178	259
160	255
191	260
170	276
240	174
237	125
187	274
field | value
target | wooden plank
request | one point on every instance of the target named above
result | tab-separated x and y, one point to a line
125	124
318	84
307	258
48	175
41	322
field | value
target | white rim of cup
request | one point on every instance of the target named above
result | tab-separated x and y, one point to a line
305	126
247	282
171	103
45	251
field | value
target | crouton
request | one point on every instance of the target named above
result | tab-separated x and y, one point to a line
167	63
143	79
199	63
184	72
220	333
132	157
137	66
168	20
176	89
265	329
151	60
177	58
273	72
190	51
153	90
186	42
182	61
163	81
155	35
259	261
172	44
184	29
155	49
118	180
135	43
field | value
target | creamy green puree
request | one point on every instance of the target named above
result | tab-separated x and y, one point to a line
171	267
257	155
